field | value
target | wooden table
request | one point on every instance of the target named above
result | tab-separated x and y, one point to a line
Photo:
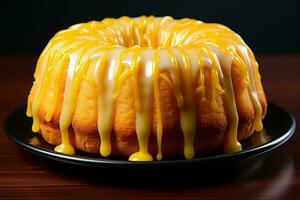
274	176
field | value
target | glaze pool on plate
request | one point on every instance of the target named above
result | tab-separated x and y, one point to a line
279	126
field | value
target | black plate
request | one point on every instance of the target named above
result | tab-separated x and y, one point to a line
279	126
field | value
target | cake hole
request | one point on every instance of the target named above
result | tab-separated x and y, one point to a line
135	34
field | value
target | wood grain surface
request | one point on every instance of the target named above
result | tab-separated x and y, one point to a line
273	176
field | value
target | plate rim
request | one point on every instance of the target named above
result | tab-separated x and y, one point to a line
102	162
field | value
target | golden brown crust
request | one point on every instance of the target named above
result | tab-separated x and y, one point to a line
243	103
211	124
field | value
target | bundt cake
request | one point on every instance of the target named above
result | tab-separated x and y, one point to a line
146	86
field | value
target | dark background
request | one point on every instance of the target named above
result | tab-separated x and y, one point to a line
266	26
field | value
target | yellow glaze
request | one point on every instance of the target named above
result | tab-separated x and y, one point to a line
156	72
143	48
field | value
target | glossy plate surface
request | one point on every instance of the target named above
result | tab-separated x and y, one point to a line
279	126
